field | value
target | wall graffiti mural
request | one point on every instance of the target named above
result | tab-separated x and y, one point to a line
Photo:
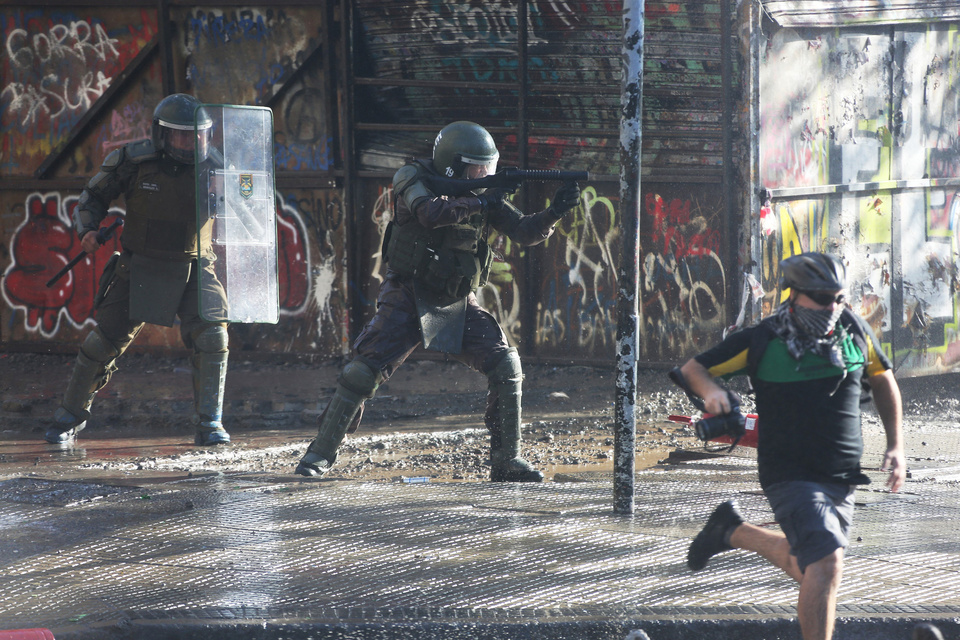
683	280
243	56
871	121
45	241
858	151
682	277
41	246
55	66
581	296
316	218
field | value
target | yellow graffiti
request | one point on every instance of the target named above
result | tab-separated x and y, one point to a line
875	219
580	220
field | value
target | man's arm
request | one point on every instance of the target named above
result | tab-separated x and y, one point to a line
533	229
94	202
886	397
715	397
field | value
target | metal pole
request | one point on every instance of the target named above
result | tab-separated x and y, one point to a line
628	281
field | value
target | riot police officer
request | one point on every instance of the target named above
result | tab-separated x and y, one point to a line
155	278
437	256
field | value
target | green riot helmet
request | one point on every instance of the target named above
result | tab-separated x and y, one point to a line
463	143
175	121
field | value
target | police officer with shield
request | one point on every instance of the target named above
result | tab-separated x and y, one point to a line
437	256
155	279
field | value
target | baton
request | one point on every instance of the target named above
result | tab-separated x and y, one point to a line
103	235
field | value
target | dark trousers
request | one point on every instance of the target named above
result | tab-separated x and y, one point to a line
394	333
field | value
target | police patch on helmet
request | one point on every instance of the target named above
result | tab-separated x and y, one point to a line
246	184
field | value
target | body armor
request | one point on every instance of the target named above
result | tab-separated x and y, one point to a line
163	220
450	261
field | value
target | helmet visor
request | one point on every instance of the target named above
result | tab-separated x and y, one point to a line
474	169
179	140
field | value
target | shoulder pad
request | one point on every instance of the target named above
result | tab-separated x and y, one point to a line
405	176
408	186
112	160
141	150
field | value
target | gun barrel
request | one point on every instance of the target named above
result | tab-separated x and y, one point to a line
548	175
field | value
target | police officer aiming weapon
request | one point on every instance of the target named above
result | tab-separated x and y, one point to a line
437	253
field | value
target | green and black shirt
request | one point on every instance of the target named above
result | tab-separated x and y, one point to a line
809	412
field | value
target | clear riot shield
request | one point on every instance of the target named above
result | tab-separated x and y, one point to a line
237	215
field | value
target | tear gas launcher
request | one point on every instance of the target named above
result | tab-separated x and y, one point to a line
509	178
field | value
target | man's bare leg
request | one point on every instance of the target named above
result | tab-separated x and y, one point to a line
772	545
817	606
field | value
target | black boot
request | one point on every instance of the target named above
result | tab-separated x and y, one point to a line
714	538
209	378
503	421
93	369
358	382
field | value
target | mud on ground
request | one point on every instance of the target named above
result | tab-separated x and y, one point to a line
426	422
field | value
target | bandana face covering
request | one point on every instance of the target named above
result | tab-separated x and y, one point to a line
813	330
816	323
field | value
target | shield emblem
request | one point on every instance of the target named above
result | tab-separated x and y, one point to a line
246	184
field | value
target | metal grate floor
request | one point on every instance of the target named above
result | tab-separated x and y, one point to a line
248	547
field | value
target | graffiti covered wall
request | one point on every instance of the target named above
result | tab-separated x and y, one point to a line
860	148
60	65
56	65
72	95
558	299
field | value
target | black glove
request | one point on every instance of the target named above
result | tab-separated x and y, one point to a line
566	198
492	199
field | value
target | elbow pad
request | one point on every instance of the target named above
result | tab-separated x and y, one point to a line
92	206
88	213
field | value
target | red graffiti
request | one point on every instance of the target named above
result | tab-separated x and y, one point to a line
673	226
292	247
42	246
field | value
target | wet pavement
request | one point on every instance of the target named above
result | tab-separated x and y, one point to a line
161	552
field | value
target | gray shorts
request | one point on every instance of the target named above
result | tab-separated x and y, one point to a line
814	516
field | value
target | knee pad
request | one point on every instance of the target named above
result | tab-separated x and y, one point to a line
360	378
508	370
211	339
98	348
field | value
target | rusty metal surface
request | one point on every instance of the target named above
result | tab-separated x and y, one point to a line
256	548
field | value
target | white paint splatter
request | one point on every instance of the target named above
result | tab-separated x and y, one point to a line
323	286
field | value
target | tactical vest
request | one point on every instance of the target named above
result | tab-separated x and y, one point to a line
161	219
452	261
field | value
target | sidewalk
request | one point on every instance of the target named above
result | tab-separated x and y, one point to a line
266	555
257	556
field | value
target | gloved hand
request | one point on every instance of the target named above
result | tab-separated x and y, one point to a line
492	199
565	198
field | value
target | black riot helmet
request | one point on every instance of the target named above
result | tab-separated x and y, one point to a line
175	120
812	272
462	143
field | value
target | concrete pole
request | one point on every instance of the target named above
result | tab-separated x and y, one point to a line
629	320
